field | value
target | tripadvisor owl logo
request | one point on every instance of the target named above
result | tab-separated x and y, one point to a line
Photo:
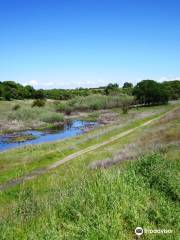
139	231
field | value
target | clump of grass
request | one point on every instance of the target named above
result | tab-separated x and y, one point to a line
125	104
52	117
16	107
39	103
68	110
149	169
21	138
60	106
27	205
23	114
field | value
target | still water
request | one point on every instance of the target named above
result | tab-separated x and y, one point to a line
70	129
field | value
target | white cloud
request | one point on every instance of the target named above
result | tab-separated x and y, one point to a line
88	83
33	83
162	79
49	84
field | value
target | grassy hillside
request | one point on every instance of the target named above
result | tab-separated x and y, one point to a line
98	195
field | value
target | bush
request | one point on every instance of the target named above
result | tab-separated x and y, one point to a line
126	103
39	103
52	117
94	102
16	107
68	110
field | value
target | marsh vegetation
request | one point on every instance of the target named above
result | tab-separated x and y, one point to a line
98	185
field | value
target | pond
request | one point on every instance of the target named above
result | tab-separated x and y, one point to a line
23	138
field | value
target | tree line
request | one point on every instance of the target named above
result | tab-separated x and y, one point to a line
146	92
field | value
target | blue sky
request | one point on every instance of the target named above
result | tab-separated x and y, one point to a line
73	43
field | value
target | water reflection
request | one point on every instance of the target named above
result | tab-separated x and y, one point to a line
70	129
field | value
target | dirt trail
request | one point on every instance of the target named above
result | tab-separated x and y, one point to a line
70	157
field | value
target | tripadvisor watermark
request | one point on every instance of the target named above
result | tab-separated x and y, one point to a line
140	231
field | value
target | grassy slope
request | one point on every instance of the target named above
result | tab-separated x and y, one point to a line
106	204
73	202
15	163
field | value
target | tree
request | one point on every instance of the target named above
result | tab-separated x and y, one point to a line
173	89
111	87
39	94
7	93
150	92
128	85
29	92
127	88
0	90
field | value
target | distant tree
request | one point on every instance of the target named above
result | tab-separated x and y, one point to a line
9	90
7	93
0	90
173	88
127	88
150	92
111	87
128	85
29	92
39	94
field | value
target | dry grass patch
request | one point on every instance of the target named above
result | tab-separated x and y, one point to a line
164	132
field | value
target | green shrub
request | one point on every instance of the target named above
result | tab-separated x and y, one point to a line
39	103
60	107
93	102
126	103
16	107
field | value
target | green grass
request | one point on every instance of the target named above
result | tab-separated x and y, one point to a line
32	157
94	102
105	204
21	138
76	202
26	116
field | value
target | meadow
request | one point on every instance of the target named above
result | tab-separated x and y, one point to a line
22	115
102	194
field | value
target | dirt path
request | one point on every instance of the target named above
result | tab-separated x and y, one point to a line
70	157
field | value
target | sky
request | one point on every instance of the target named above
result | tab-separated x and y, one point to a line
89	43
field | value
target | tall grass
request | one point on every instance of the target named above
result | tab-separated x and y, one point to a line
52	118
102	205
24	114
28	114
94	102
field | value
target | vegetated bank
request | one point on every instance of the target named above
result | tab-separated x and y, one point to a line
19	162
78	201
40	113
21	115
